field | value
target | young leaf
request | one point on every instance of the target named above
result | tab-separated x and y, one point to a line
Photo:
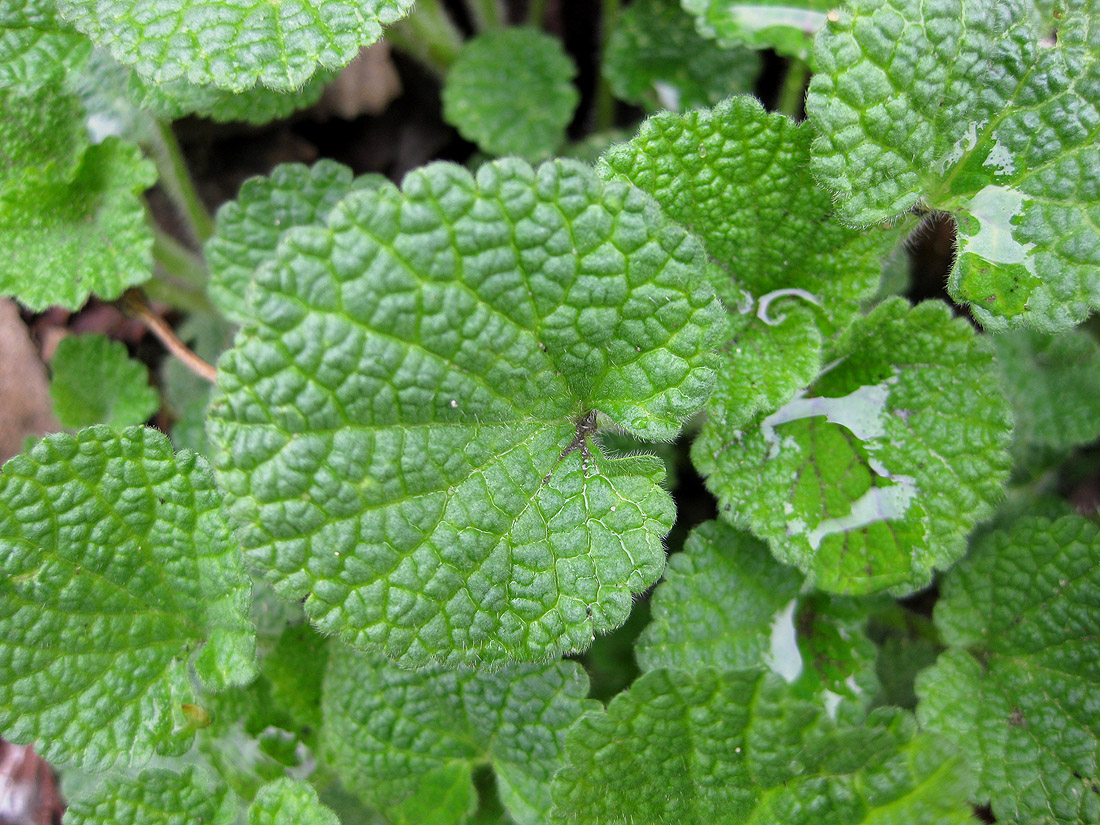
119	577
1053	383
37	48
788	26
1018	692
155	797
402	435
510	91
739	178
253	735
71	219
737	747
233	46
109	109
249	228
65	241
407	741
725	602
289	802
96	382
961	105
294	669
42	140
873	477
656	59
907	643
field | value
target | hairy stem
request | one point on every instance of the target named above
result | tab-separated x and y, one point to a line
486	14
181	276
429	35
135	304
536	13
605	101
165	151
793	94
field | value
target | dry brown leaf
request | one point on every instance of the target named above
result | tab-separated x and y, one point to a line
25	405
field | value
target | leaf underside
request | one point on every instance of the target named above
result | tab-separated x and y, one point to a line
787	26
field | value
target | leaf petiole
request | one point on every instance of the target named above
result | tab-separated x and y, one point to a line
428	34
165	152
486	14
133	302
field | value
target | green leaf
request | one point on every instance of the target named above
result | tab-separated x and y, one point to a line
258	105
401	428
71	218
617	443
255	734
37	48
510	91
656	59
726	603
42	140
716	604
963	106
249	228
233	46
109	109
907	644
610	662
1053	383
289	802
787	26
119	577
1018	692
737	747
294	670
156	797
739	178
65	242
407	741
873	476
96	382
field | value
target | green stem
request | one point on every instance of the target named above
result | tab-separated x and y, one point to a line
182	278
429	35
792	96
486	14
605	101
536	13
176	180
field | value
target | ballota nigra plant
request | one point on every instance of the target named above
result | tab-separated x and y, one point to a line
409	560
